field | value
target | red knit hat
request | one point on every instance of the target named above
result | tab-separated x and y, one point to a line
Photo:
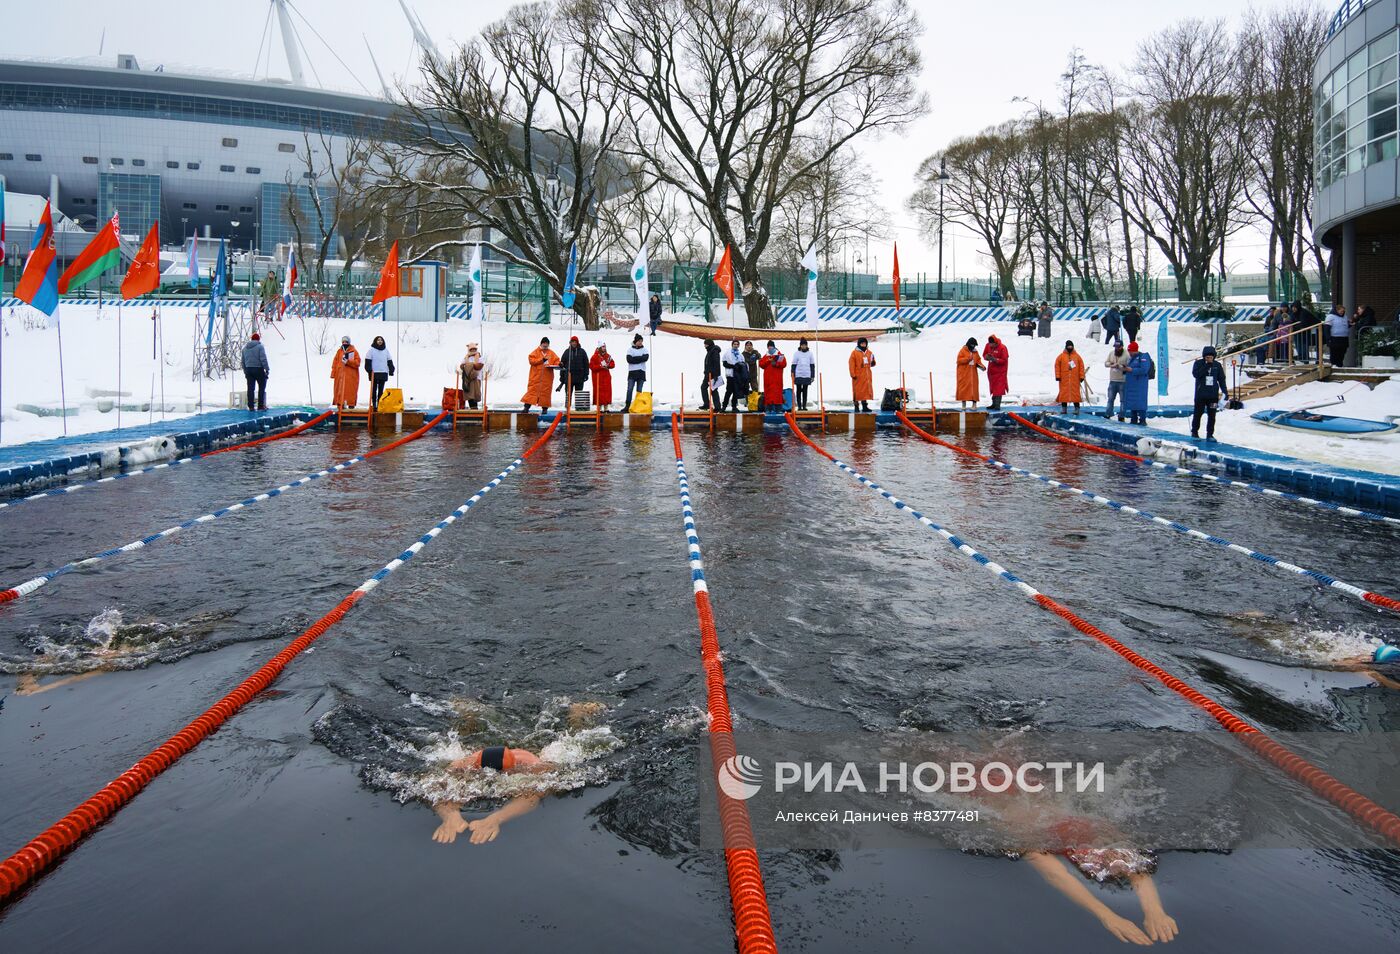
1132	346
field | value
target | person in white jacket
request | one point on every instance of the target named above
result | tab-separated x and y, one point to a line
804	372
379	364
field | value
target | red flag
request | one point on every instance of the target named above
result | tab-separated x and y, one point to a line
144	275
724	277
896	276
388	277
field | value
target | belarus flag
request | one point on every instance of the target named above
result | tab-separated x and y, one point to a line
289	281
102	253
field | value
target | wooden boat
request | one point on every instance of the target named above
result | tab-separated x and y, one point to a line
791	332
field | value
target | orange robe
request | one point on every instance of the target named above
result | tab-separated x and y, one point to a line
968	363
541	383
862	378
345	372
1069	371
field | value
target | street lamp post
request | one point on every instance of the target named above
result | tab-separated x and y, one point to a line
942	178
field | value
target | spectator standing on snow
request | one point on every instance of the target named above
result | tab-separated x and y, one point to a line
255	372
1210	389
709	379
1069	372
1140	370
1043	319
736	379
1339	331
1303	318
472	367
543	361
269	294
601	364
345	372
1132	322
1117	364
998	362
1261	348
379	364
1112	325
654	313
751	356
637	357
773	362
861	365
804	372
573	370
969	362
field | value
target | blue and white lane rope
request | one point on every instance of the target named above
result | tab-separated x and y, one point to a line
1311	576
170	464
1222	481
29	586
692	537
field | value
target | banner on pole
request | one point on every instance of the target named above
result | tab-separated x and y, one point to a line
640	283
478	312
1163	362
569	277
809	262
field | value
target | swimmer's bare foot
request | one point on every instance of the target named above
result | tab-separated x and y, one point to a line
1123	929
1159	926
28	684
584	714
453	824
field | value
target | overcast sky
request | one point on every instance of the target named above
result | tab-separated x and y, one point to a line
977	57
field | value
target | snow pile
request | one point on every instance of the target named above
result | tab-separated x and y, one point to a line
426	356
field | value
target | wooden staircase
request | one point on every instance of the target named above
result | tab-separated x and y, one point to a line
1281	379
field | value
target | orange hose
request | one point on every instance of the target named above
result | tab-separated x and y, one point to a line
272	437
59	838
938	440
753	925
1070	440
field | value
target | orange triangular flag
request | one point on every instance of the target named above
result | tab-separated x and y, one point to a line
388	277
143	277
896	276
724	277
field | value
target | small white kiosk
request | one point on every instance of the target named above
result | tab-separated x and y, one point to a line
422	294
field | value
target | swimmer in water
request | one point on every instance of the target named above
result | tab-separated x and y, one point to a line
1384	655
1157	925
501	759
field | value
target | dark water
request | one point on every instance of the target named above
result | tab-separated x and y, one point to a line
301	822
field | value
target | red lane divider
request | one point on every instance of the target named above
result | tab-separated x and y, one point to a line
60	838
1360	807
753	925
938	440
1070	440
272	437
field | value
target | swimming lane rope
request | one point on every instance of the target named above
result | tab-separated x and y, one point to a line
58	839
1350	801
74	488
1302	573
29	586
1213	478
752	924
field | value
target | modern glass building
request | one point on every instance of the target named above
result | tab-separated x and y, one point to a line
275	213
1356	210
195	151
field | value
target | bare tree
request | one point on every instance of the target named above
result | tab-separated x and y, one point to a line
839	196
725	99
491	126
326	202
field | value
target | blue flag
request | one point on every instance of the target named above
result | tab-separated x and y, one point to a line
218	290
568	297
1163	362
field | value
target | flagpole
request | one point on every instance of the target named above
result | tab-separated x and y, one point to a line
119	364
306	356
160	331
62	385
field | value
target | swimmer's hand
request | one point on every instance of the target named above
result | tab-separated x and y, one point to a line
1123	929
1159	926
484	829
453	824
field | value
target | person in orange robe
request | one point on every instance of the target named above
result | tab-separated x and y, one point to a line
969	361
862	378
601	364
542	365
772	363
345	372
1069	371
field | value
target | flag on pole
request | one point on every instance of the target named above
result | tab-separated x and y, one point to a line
289	281
639	282
102	253
143	277
388	277
2	220
218	291
192	260
895	280
38	285
569	277
478	312
1163	361
809	262
724	277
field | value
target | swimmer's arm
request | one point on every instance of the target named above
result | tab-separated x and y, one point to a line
1383	680
486	829
1058	875
1155	920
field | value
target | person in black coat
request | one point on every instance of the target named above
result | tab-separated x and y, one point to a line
654	311
1210	389
573	370
1132	322
709	386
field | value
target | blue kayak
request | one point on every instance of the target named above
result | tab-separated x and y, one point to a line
1325	423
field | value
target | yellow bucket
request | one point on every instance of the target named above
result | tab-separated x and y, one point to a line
641	404
753	400
391	401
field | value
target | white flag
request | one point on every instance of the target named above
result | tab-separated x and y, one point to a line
639	279
809	262
478	313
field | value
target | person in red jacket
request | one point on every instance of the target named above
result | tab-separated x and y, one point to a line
773	364
602	364
998	359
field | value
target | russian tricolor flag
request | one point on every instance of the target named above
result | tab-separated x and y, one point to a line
289	281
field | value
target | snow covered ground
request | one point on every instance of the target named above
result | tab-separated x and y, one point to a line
427	354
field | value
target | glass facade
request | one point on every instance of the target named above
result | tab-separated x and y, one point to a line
276	217
135	196
1355	121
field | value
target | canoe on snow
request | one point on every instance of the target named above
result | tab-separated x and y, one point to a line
1326	423
793	332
